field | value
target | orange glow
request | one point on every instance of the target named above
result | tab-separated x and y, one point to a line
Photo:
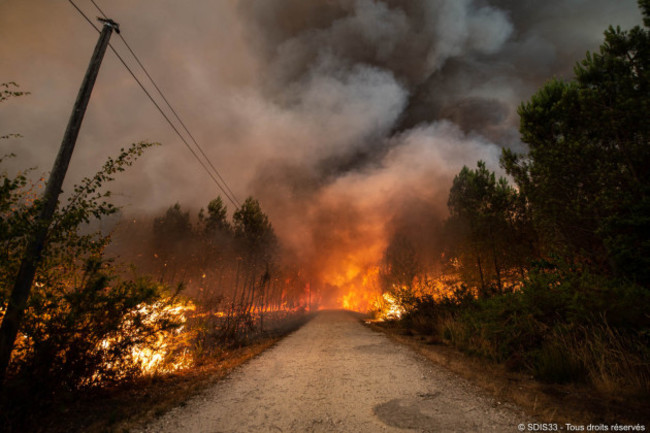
160	354
388	308
359	288
347	272
348	275
356	301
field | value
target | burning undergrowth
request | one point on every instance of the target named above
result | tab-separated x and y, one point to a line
100	334
239	279
85	325
165	347
365	110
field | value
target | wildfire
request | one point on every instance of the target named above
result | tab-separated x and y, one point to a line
166	349
360	289
388	307
157	357
395	303
355	301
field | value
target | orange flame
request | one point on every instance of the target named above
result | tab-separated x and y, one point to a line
156	356
360	288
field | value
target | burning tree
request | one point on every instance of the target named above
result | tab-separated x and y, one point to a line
487	230
234	270
398	273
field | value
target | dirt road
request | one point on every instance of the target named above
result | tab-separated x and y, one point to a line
336	375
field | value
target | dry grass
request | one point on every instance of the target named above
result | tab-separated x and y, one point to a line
576	404
612	362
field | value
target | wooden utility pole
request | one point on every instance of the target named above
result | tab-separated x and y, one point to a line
25	278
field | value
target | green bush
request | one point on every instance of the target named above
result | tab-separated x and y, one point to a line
559	327
77	302
554	361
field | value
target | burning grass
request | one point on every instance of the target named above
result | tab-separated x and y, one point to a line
365	292
166	368
76	341
164	350
388	308
133	403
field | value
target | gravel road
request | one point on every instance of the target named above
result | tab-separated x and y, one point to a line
336	375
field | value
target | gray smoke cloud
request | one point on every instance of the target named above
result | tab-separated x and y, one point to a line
346	118
397	96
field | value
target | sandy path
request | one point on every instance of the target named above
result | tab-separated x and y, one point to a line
336	375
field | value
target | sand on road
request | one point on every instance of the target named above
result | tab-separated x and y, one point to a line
336	375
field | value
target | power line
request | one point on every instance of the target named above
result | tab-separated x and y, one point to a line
160	92
98	8
226	190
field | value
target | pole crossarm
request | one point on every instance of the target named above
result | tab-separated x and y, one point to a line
110	22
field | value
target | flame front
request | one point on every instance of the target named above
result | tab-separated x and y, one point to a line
166	350
388	308
156	357
359	289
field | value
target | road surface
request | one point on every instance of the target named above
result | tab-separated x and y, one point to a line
336	375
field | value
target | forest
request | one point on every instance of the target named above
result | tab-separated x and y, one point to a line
148	298
547	271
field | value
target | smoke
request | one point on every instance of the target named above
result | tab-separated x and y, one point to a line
345	74
391	98
347	118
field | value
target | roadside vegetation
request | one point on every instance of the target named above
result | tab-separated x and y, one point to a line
549	272
194	297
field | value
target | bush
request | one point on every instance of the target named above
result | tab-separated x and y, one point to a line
560	327
77	303
80	337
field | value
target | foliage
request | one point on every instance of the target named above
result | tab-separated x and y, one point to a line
487	217
173	227
77	301
253	229
577	228
66	331
231	268
216	221
553	328
6	92
585	175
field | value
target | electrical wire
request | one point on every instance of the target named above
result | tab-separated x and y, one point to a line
225	189
160	92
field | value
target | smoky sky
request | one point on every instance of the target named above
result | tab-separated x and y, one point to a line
344	118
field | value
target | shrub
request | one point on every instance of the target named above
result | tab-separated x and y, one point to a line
77	302
560	327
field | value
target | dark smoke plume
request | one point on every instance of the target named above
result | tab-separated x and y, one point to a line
347	118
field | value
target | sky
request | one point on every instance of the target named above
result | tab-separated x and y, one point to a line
346	118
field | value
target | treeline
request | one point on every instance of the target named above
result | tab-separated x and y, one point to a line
234	270
151	296
551	274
